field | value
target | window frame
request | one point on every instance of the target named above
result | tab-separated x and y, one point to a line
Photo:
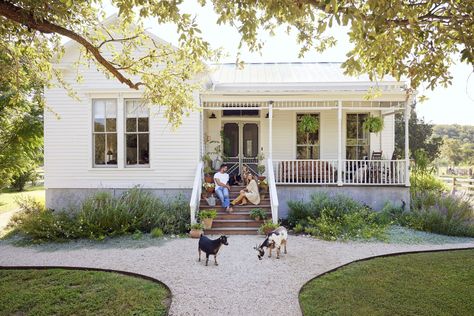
125	133
318	145
357	139
105	132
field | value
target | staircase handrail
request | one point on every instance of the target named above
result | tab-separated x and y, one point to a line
196	193
272	190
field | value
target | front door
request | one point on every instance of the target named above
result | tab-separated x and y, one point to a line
240	146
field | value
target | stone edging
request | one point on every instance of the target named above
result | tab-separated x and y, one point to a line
127	273
374	257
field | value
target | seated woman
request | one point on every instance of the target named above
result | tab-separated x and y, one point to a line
250	193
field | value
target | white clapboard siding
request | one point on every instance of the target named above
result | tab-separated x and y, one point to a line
68	146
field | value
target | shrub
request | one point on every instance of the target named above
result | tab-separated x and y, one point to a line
337	217
298	228
157	232
102	215
441	213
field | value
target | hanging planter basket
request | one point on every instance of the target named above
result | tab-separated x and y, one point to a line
373	124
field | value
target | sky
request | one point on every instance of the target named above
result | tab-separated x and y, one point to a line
452	105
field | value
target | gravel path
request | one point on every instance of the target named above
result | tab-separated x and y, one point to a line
240	285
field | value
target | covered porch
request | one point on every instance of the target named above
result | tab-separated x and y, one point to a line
249	131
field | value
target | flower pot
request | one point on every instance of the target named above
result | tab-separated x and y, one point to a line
210	190
208	179
267	230
261	178
195	233
207	223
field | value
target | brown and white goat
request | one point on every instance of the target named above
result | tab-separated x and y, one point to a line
275	239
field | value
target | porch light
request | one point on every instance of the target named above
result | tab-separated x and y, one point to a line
268	115
213	116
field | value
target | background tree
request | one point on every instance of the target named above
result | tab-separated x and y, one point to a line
452	151
21	124
421	137
416	39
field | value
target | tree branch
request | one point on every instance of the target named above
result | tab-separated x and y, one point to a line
23	17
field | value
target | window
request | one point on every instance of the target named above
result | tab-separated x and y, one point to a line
357	143
307	143
105	132
137	133
240	113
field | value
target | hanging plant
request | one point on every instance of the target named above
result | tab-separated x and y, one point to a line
373	124
307	125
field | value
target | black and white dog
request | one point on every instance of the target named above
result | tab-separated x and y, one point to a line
211	247
275	239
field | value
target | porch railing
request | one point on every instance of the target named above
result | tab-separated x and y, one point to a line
305	171
196	193
374	172
354	172
272	190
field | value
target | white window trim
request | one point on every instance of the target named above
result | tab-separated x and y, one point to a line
344	131
295	136
120	127
92	134
124	139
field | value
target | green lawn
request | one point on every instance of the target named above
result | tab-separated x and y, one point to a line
8	198
75	292
439	283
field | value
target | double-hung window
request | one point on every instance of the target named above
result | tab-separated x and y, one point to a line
137	133
307	143
357	139
104	132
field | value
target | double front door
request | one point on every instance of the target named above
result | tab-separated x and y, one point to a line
240	146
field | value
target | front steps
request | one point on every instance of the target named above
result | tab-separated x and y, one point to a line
238	222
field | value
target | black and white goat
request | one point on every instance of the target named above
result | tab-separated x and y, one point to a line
275	239
211	247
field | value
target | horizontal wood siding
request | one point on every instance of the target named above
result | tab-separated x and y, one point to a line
68	147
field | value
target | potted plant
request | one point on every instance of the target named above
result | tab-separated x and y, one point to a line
261	166
206	217
263	187
267	227
258	214
196	230
209	187
373	124
307	125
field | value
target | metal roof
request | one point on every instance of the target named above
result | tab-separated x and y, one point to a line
295	76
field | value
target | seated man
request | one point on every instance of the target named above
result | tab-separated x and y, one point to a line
221	179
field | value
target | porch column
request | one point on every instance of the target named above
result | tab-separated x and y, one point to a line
407	144
339	143
270	130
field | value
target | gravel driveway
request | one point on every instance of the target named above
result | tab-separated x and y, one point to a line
240	285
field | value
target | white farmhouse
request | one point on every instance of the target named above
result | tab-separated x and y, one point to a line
107	140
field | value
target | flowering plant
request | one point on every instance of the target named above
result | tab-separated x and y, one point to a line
207	185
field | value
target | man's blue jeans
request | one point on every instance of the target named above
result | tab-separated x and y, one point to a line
223	195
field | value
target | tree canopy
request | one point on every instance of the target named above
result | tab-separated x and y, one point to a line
402	38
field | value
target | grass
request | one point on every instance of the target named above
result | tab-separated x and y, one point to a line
415	284
75	292
8	198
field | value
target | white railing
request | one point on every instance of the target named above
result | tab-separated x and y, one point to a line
305	171
354	172
196	193
374	172
272	191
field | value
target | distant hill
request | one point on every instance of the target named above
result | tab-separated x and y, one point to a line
463	133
